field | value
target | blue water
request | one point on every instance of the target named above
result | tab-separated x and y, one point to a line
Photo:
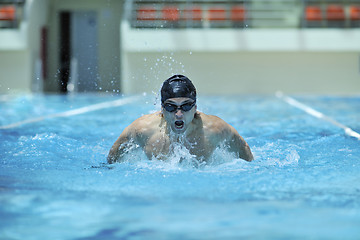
303	184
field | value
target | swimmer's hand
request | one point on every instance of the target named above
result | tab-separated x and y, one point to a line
111	159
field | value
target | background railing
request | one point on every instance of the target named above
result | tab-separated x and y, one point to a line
11	13
245	14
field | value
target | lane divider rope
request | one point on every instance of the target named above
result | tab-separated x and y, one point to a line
82	110
348	131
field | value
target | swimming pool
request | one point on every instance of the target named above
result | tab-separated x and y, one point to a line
303	184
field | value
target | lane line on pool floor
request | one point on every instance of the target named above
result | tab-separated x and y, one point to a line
78	111
348	131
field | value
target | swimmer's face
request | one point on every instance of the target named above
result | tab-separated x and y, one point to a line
179	113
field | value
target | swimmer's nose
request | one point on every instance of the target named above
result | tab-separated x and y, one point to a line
179	114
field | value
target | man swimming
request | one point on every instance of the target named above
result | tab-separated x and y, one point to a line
179	122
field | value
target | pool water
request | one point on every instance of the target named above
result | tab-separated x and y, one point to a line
55	184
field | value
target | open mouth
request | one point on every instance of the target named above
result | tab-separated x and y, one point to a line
179	124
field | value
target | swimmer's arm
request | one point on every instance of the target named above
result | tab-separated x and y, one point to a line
224	132
118	149
239	146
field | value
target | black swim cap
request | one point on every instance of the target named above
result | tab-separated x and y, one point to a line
177	86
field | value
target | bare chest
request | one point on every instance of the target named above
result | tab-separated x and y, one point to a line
162	146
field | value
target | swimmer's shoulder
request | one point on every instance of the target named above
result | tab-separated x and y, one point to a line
141	128
147	121
149	118
211	120
214	123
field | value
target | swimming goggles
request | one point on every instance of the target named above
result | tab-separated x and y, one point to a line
184	107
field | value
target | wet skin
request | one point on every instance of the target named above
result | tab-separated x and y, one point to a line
198	132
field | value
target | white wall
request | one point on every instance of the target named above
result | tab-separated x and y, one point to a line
20	48
225	61
218	61
15	71
248	72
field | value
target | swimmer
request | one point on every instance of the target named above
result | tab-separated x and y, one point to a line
179	121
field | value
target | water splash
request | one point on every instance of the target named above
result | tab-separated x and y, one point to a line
271	154
160	67
180	158
180	155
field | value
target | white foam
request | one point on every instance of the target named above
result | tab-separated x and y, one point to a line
273	155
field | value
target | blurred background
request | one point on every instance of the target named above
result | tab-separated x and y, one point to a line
224	47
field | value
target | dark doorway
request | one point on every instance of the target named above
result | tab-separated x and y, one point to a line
78	51
65	50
